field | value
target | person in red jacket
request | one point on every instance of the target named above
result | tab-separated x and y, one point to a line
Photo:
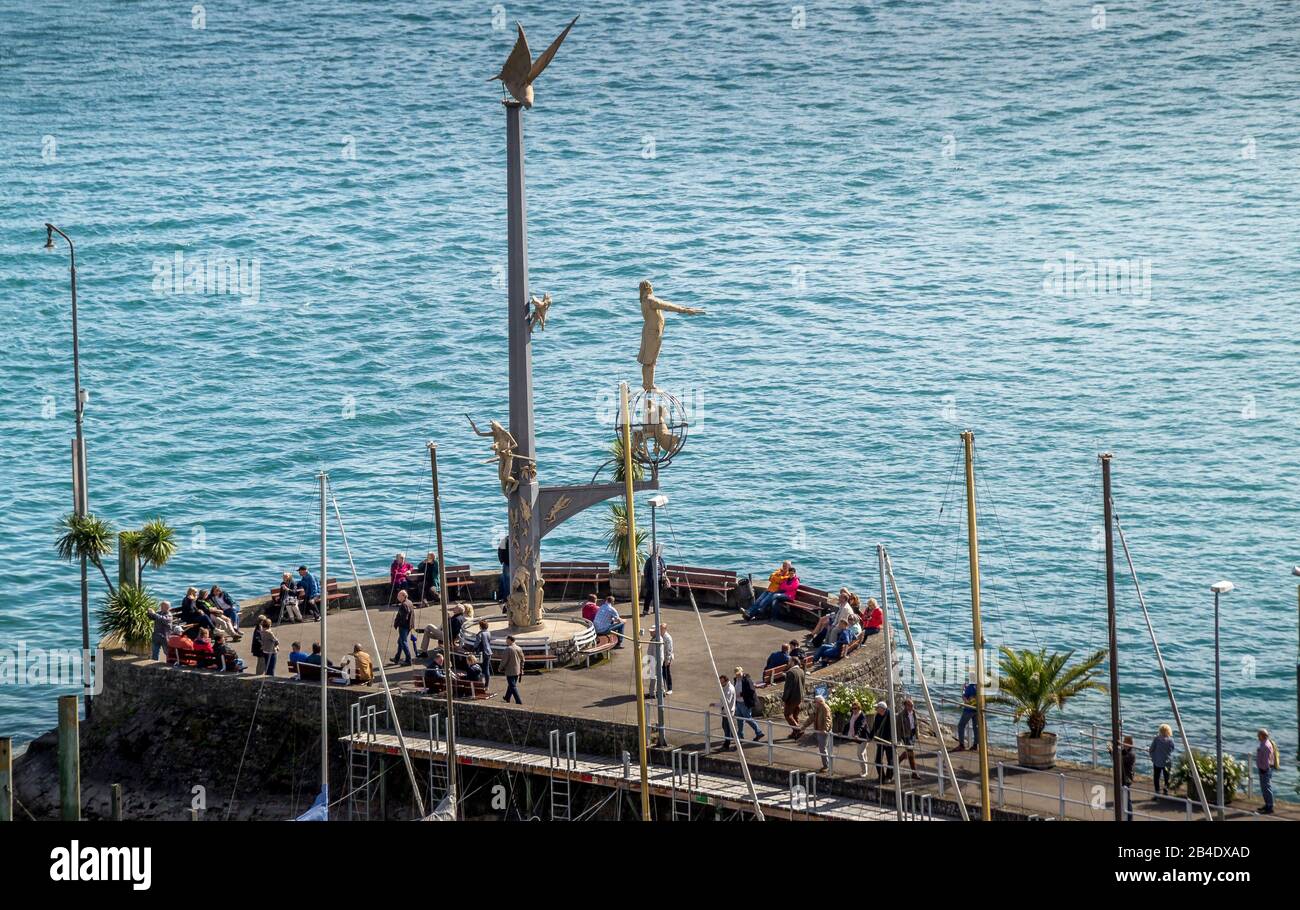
875	618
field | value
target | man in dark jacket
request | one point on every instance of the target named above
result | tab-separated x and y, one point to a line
162	627
1129	759
882	733
792	697
429	583
651	577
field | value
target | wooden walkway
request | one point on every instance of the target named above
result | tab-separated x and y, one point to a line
700	789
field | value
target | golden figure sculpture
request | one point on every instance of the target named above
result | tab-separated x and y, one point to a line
538	308
652	333
504	453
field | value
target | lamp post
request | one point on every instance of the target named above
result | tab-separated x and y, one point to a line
1296	572
656	501
79	499
1219	587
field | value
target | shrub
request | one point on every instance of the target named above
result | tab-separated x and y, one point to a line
1234	772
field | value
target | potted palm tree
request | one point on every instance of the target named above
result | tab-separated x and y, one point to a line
88	536
625	562
152	546
1034	682
124	620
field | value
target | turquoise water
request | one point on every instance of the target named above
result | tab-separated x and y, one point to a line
867	206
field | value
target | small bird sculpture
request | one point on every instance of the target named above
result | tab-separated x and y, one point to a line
521	70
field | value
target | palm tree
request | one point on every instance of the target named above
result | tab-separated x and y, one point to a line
153	545
1032	682
124	617
86	536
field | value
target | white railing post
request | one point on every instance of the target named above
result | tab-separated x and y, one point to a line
1001	786
1061	778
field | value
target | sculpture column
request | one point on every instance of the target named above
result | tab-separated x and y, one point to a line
524	519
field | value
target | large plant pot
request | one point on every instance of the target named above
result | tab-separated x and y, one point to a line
620	585
1037	752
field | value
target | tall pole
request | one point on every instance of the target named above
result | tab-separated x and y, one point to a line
1116	756
890	683
636	601
69	760
446	632
524	516
660	739
1218	716
972	533
81	505
6	779
324	651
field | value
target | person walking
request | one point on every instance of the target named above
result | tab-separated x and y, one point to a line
1128	761
512	668
746	701
792	696
909	730
483	648
882	734
821	724
1162	753
403	619
668	656
1266	762
967	717
860	733
651	577
727	708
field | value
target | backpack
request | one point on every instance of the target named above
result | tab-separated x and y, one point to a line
257	643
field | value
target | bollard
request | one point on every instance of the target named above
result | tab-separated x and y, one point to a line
1061	778
6	779
115	799
69	759
771	744
1002	785
1094	745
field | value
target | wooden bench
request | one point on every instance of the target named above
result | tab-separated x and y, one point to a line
310	672
200	660
458	578
680	580
808	605
776	674
604	645
576	573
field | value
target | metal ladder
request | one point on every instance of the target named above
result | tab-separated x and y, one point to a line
363	787
438	787
561	797
917	807
686	777
803	796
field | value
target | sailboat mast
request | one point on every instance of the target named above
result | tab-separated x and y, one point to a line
1116	757
986	809
446	636
323	586
890	684
635	607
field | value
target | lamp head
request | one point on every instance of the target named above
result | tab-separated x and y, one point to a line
1295	570
49	236
659	500
1221	587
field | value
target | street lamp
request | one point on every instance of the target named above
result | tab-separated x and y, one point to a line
79	499
1219	587
656	502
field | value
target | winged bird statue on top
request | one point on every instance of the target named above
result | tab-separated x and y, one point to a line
521	70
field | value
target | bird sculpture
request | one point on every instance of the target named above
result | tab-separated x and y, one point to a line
520	70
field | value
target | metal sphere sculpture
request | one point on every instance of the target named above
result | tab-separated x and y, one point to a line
659	427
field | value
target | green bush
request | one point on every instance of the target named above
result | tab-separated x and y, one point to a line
125	616
1234	772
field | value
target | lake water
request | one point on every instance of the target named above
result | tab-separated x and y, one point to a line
904	219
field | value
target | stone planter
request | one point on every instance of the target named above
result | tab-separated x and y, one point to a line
620	585
1036	752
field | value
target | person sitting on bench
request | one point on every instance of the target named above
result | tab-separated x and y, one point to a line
429	583
178	641
397	576
315	656
289	599
203	648
473	671
228	606
875	617
296	655
827	653
608	621
777	658
796	650
225	656
217	621
455	619
590	608
308	593
782	586
437	671
845	610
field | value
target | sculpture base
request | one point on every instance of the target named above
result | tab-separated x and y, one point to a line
563	637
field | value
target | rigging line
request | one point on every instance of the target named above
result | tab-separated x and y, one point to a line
247	739
731	716
943	504
383	676
1173	703
1011	566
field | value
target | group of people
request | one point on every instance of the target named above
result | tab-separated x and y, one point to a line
782	587
299	599
206	623
417	581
